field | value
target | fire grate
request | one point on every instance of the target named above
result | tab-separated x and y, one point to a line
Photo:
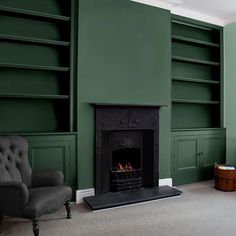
126	179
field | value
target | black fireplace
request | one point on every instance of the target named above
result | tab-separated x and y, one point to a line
127	147
127	156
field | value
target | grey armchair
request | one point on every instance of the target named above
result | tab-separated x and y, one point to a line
28	193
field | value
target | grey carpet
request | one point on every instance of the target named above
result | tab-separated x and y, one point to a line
200	211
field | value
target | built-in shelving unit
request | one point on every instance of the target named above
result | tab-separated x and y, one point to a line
36	67
196	75
198	135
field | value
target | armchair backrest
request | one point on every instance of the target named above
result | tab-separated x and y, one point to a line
14	165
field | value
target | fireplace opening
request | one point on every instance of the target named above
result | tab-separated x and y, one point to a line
126	171
126	159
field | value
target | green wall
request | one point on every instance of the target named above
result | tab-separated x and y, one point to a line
230	91
124	57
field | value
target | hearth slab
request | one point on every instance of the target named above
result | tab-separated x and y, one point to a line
122	198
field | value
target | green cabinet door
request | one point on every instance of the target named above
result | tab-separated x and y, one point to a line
212	152
54	152
185	158
194	154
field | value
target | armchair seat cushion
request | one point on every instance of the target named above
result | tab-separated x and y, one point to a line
44	200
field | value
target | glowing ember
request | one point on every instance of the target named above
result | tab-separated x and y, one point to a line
127	166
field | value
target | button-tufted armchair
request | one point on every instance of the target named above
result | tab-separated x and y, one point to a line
28	193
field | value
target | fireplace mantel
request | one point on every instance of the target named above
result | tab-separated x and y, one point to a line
114	119
125	105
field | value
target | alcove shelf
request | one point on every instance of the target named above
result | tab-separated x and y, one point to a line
196	75
33	40
186	79
194	41
32	14
37	66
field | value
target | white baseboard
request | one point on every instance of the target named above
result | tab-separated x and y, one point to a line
167	181
80	194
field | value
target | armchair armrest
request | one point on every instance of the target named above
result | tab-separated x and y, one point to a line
43	178
13	198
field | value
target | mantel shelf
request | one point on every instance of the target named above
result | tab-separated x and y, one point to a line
33	40
33	67
195	101
185	79
35	14
193	60
31	96
195	41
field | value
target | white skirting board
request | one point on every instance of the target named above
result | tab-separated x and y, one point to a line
80	194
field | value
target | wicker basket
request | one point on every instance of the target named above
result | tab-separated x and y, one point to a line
225	180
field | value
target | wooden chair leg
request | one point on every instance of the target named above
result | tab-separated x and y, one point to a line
35	224
1	220
68	209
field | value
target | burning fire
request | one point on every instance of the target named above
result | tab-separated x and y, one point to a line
125	167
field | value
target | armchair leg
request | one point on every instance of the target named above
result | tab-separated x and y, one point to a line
1	220
68	209
35	227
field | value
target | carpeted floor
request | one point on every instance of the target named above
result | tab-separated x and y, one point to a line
200	211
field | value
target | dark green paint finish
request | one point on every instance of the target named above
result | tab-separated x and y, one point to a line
197	71
124	57
58	7
195	91
35	83
22	54
56	152
34	28
31	82
185	163
33	115
201	103
193	115
32	90
230	85
195	51
194	154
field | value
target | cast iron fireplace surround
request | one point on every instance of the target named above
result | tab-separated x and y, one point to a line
127	156
126	130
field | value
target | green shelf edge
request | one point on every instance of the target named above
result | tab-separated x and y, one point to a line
33	40
193	60
33	67
33	96
195	101
190	25
33	13
39	133
185	79
195	41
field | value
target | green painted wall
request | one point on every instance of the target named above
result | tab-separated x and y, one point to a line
124	57
230	88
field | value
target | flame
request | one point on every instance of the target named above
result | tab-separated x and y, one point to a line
127	166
